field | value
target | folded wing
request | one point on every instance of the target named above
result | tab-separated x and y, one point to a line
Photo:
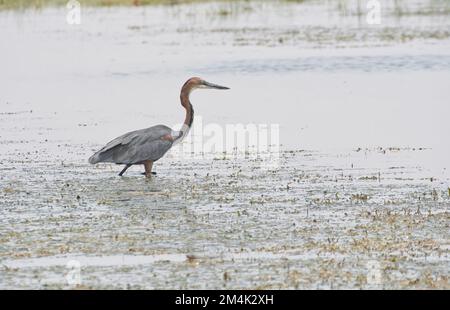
135	147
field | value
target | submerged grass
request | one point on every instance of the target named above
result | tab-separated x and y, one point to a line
22	4
398	8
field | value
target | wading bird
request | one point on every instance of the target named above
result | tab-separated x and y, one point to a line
145	146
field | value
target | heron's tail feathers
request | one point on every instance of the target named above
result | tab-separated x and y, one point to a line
94	159
104	156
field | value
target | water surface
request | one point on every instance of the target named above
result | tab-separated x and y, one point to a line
363	171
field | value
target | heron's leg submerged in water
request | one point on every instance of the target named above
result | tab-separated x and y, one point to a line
148	164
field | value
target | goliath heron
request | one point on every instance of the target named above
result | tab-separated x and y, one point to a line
145	146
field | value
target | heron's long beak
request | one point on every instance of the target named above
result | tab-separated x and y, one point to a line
215	86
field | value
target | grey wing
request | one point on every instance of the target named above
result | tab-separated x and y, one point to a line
139	151
135	147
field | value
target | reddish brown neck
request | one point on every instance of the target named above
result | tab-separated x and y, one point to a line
184	97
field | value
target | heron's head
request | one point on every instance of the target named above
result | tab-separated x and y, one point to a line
196	82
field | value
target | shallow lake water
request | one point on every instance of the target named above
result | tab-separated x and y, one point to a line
362	177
